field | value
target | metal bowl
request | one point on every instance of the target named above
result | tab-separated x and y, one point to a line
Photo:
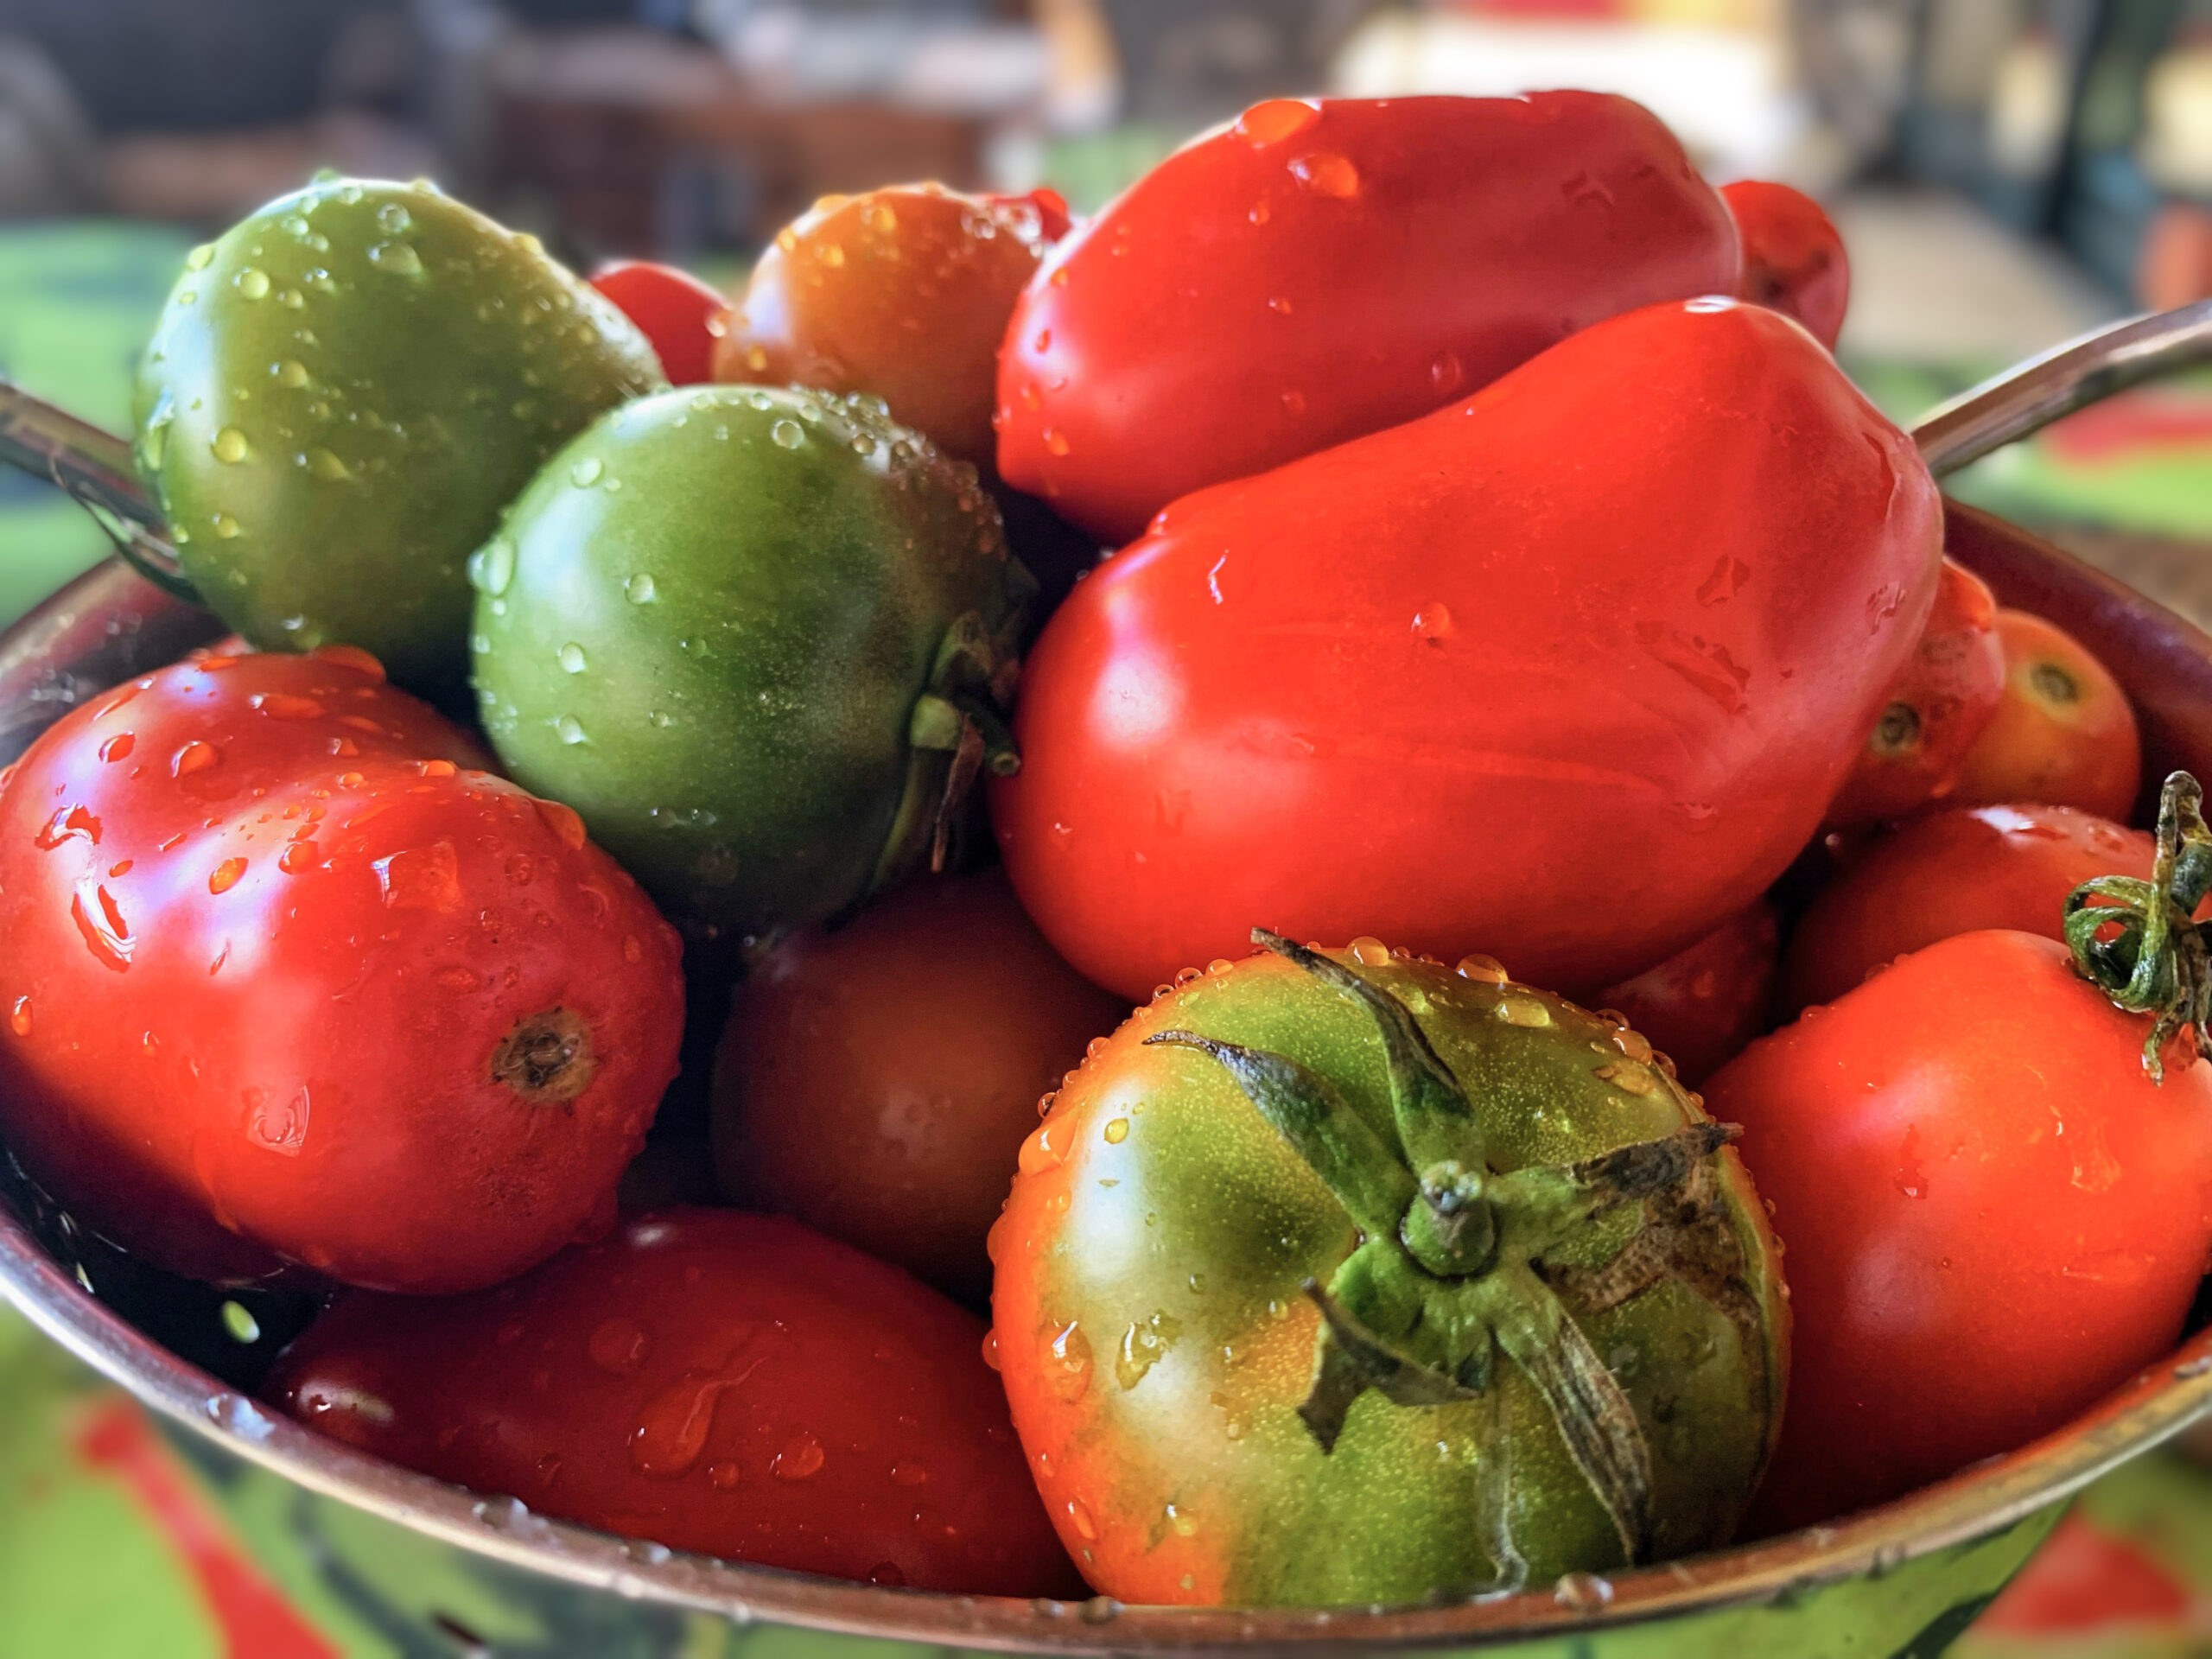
1901	1580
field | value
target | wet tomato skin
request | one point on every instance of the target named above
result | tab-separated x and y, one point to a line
733	1384
2063	733
1700	1006
876	1079
1794	260
291	986
1321	270
1954	871
1304	695
1992	1215
677	313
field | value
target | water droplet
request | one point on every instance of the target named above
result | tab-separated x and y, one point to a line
325	466
1523	1010
1445	374
1585	1592
618	1346
1079	1517
787	434
251	283
1326	174
193	757
802	1455
225	875
1293	402
492	566
910	1473
1066	1361
396	258
394	219
99	921
19	1017
1056	440
1116	1130
198	258
225	526
418	878
1143	1346
1275	120
639	590
584	472
572	657
118	747
1370	951
230	445
1260	214
299	856
569	729
1433	623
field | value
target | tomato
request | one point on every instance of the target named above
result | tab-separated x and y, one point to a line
730	1385
680	315
1530	675
758	639
341	395
2063	733
1793	261
1941	701
1951	872
876	1080
903	293
1993	1216
1053	220
287	984
1405	1135
1701	1005
1322	270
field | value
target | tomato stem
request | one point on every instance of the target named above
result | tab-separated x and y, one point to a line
2139	942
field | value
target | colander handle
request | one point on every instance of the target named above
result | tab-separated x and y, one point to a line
95	469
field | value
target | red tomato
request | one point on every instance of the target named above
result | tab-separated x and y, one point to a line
1951	872
1319	270
680	315
1053	220
1700	1006
1993	1216
731	1384
284	984
2062	734
1793	261
877	1080
1546	675
1937	705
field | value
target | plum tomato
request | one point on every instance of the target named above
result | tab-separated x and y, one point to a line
1320	269
1994	1211
758	639
1701	1005
1569	622
287	984
341	396
903	293
876	1079
1939	703
1793	261
680	315
2063	734
1303	1284
1956	871
730	1385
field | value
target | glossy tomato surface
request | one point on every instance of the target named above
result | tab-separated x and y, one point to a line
1321	270
1951	872
732	1384
1700	1006
287	983
2063	733
1992	1215
680	315
876	1079
1794	260
1546	673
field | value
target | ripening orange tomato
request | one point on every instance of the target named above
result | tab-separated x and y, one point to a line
2063	734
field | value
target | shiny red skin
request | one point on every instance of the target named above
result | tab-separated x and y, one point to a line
2063	731
1951	872
1794	260
1547	675
253	1006
680	315
1319	270
1952	682
1993	1216
732	1384
1053	220
1700	1006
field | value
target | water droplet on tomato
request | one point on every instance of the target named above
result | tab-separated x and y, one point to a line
1326	174
786	434
68	823
224	876
1445	373
1293	402
19	1022
118	747
419	878
564	823
910	1473
990	1338
230	445
1275	119
1524	1011
99	921
1117	1131
569	729
194	756
571	657
1259	213
1079	1517
618	1345
492	567
1065	1362
1369	951
1279	305
283	705
1433	623
801	1457
639	589
1056	440
585	473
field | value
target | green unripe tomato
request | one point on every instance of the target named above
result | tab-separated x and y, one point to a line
757	638
342	393
1344	1277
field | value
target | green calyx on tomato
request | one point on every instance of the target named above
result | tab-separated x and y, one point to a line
2139	942
1448	1271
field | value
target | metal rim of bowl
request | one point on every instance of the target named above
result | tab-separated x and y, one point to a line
114	617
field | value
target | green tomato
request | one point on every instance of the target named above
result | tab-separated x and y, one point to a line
341	396
758	639
1342	1277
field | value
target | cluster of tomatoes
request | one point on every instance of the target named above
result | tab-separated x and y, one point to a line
1510	575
